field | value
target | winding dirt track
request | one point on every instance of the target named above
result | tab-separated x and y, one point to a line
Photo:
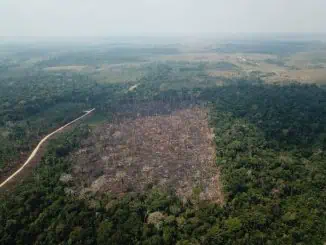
32	155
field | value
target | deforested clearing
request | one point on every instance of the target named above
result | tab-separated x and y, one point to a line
170	149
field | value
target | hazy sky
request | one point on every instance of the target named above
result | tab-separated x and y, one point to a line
148	17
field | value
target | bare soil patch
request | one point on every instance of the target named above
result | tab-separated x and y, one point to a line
165	150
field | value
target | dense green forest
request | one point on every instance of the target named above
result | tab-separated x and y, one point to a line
31	105
270	146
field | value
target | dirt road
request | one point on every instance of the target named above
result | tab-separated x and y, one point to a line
35	151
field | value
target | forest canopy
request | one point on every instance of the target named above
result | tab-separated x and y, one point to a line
269	146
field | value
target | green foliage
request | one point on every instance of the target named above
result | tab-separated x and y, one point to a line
32	106
270	148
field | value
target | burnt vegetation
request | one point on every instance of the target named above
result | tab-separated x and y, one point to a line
167	149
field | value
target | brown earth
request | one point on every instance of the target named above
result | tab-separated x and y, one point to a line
167	151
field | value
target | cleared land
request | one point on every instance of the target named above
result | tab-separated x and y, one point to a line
305	67
169	149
